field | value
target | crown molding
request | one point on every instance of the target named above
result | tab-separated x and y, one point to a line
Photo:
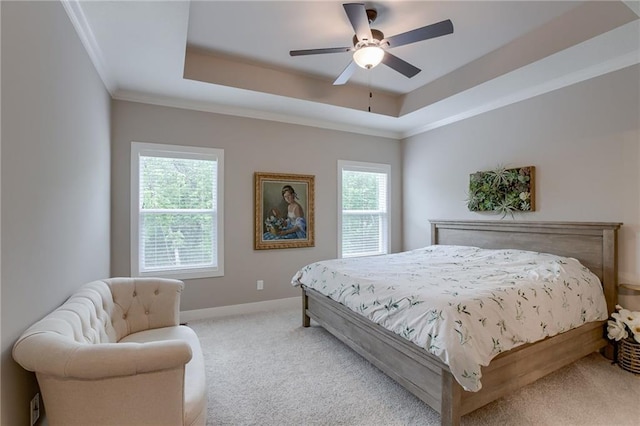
530	92
83	29
633	5
250	113
621	46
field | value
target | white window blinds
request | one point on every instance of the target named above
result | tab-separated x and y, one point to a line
179	211
364	209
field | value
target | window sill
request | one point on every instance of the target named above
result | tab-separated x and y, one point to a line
183	275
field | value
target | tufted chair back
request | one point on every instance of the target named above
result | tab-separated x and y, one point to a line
142	304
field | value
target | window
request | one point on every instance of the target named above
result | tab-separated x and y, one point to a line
363	208
176	211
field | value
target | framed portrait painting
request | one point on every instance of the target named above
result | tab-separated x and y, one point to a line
283	211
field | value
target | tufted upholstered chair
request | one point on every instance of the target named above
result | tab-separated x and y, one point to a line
115	354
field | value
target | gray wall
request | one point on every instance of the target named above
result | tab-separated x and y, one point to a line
249	146
55	178
584	141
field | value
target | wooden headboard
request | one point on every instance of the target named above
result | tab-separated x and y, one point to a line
594	244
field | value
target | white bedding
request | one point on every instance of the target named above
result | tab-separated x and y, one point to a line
465	305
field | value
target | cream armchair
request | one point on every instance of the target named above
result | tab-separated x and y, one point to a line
115	354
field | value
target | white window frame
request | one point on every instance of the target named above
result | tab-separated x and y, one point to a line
175	151
385	232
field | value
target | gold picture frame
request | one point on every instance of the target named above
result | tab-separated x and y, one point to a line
284	211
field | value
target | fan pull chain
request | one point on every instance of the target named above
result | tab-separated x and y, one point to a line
370	93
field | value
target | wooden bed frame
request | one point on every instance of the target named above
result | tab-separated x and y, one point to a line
594	244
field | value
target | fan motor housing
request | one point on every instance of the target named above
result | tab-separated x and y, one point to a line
377	35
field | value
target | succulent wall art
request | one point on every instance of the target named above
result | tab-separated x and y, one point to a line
502	190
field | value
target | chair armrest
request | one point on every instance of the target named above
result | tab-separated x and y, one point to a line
46	354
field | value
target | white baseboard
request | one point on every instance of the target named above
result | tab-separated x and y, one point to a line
245	308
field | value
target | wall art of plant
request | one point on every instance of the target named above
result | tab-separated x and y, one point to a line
502	190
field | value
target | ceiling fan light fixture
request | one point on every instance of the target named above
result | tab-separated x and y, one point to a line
370	44
368	56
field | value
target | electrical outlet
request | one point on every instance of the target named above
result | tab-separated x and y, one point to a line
260	285
35	409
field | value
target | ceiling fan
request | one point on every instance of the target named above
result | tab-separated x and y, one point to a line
370	46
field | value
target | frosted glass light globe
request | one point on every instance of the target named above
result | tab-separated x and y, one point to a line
368	56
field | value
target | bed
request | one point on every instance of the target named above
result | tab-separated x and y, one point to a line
430	379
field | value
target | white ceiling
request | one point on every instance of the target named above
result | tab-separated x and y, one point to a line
238	61
274	28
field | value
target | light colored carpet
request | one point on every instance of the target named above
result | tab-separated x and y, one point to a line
266	369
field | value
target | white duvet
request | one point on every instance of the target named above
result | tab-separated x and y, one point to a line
464	305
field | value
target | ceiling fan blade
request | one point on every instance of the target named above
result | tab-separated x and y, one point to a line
403	67
357	15
430	31
319	51
346	74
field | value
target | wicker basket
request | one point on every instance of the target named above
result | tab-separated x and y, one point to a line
629	355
